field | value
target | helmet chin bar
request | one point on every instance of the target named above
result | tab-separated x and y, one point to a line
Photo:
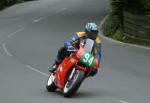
91	35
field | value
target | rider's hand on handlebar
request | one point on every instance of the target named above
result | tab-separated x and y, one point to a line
93	71
71	49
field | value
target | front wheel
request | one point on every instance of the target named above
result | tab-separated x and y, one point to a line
50	85
74	83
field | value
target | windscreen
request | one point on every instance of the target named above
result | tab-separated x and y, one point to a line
89	45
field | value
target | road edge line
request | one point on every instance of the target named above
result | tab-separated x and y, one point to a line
5	50
36	70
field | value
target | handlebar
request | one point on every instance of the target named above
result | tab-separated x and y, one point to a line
72	50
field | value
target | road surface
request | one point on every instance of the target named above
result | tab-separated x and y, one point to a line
32	32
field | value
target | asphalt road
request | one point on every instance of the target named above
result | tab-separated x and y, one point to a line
31	33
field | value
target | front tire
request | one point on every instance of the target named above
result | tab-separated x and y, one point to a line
72	85
50	85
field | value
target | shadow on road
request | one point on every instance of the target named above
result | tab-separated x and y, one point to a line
82	94
86	94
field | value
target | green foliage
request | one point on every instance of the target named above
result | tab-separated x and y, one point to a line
112	23
146	4
115	18
113	26
119	34
117	8
5	3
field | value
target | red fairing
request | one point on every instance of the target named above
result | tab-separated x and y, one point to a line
64	69
80	52
82	68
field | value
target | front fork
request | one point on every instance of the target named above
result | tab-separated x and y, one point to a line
72	73
86	70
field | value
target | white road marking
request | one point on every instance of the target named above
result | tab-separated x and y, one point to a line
5	49
112	40
36	70
122	101
38	20
17	31
62	9
28	66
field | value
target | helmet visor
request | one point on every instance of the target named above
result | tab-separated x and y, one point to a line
92	34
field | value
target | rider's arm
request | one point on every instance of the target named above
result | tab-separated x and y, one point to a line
74	38
99	52
98	46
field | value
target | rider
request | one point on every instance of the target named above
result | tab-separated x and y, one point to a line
91	31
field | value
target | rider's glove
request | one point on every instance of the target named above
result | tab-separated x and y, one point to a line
93	71
71	48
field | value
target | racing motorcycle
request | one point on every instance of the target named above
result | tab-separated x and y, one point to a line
71	72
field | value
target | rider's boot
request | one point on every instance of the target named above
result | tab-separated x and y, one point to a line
53	68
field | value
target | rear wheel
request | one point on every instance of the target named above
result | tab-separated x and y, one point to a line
50	85
74	83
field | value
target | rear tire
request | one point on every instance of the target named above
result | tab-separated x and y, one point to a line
50	85
72	86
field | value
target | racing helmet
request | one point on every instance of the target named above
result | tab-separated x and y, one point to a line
91	30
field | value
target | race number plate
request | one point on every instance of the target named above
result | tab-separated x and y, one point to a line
87	59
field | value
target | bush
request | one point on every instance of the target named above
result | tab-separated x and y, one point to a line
146	4
115	18
119	34
112	23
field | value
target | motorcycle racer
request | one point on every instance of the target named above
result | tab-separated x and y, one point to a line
91	31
